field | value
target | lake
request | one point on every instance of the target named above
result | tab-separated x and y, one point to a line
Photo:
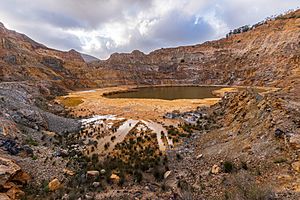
168	93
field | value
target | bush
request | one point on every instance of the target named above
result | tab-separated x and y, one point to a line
138	176
245	188
244	166
113	138
228	167
106	145
31	142
178	156
158	174
122	178
279	160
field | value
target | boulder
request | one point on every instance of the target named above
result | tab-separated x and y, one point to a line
96	184
8	169
296	166
102	171
199	156
92	173
215	169
167	174
68	172
21	177
114	177
15	193
10	146
54	184
88	196
61	153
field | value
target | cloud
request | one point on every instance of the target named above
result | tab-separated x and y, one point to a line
102	27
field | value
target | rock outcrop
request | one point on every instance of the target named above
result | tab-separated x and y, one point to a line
11	176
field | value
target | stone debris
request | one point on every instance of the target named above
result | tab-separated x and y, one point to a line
115	177
167	174
215	169
92	173
69	172
54	184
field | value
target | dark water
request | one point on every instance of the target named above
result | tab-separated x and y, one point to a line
169	93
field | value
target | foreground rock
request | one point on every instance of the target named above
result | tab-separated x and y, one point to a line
11	176
92	173
8	169
54	184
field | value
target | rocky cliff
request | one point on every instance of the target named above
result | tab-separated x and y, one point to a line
266	55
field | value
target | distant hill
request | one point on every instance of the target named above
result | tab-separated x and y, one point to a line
267	55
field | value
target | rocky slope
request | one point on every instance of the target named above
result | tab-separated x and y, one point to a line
250	151
23	59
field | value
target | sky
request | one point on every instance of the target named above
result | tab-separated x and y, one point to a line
103	27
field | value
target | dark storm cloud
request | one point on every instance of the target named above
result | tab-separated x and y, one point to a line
59	19
101	27
174	28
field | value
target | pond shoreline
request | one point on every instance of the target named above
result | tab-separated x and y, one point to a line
94	102
219	92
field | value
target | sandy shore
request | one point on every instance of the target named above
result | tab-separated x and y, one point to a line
86	103
92	102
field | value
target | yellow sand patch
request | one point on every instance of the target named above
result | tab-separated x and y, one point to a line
71	101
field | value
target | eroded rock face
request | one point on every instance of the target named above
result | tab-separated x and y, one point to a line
8	169
11	59
54	63
11	176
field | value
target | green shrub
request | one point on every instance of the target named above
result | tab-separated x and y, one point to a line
138	176
31	142
244	165
279	160
34	157
244	187
228	166
113	138
158	174
178	156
